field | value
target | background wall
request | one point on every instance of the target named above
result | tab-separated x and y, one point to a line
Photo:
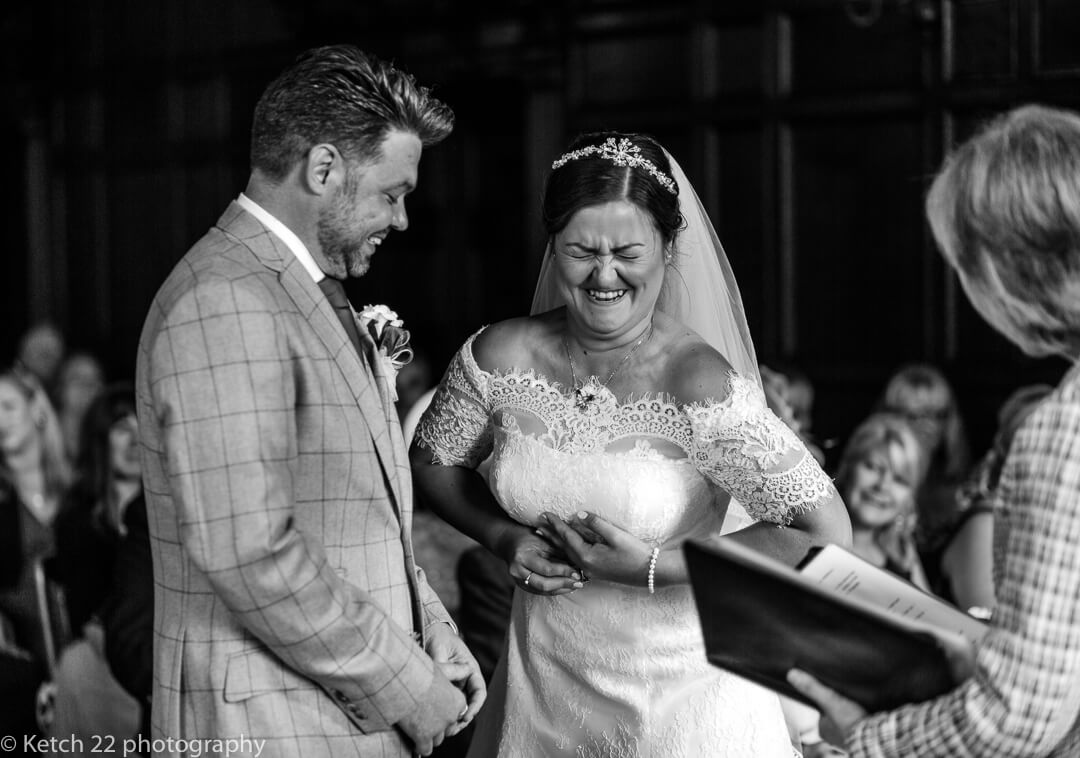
810	127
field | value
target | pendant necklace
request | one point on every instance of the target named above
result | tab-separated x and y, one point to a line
587	392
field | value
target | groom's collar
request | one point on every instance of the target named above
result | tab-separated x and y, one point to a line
285	234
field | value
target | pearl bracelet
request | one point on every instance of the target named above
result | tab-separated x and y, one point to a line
652	570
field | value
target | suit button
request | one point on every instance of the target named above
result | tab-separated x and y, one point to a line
342	571
340	696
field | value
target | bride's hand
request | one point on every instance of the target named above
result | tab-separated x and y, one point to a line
537	565
601	549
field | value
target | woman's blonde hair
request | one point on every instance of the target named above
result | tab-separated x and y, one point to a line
54	462
1005	211
922	384
888	432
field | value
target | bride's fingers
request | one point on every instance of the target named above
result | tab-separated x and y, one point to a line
549	565
572	541
541	584
605	531
586	533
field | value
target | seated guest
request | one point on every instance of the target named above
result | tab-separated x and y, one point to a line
1005	212
921	394
879	473
79	380
967	559
105	498
34	475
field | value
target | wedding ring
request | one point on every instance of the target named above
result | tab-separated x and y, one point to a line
530	576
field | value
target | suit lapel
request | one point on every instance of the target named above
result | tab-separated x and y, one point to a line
319	314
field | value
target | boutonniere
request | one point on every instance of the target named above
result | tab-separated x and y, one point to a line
390	336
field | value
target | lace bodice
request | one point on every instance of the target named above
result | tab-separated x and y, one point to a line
611	670
735	442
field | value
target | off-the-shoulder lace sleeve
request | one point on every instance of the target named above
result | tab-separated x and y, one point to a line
742	446
457	427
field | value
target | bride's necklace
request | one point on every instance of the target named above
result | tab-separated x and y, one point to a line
587	392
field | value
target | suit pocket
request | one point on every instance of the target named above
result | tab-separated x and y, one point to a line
249	673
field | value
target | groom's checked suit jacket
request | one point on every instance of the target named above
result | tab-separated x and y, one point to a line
287	605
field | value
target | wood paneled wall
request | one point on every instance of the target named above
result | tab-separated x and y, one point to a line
810	127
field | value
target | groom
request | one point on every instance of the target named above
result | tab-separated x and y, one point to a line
288	607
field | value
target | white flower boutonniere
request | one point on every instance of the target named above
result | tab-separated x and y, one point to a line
390	336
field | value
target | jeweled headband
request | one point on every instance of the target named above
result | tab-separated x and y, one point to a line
621	153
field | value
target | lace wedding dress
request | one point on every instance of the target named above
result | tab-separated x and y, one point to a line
610	670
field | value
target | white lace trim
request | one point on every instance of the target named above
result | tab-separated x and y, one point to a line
737	442
456	427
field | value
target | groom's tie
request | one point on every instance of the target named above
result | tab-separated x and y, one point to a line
335	293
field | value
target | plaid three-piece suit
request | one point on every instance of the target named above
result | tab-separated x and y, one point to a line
287	603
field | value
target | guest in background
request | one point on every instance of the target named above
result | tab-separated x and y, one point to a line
921	394
79	380
93	523
879	473
34	476
790	396
967	559
1005	211
40	350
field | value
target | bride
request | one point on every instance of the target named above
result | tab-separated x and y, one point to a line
621	418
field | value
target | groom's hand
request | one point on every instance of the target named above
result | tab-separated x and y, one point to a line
436	715
457	664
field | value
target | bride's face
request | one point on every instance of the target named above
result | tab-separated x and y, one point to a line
610	262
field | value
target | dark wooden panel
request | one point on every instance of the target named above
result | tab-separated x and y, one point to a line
830	52
145	245
639	68
858	246
739	59
984	39
1057	29
740	217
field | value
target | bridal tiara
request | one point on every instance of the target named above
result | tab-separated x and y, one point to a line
621	153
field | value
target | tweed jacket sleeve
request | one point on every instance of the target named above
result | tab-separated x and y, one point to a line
225	390
1024	697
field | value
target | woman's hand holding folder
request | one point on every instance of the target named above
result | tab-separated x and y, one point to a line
839	714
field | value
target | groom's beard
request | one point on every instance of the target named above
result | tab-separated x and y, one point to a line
345	246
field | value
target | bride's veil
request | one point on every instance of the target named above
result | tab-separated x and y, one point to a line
699	291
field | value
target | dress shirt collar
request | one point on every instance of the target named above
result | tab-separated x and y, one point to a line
298	248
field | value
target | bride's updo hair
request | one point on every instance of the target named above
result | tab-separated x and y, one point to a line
591	179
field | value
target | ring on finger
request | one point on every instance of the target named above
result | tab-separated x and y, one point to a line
530	576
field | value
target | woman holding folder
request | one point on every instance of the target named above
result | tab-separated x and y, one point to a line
1005	211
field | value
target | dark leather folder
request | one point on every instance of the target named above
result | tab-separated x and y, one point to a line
760	618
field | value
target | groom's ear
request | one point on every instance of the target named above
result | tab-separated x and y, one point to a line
324	169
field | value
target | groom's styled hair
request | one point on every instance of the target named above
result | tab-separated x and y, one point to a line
345	97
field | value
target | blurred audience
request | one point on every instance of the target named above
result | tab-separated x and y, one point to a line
40	350
789	393
34	477
79	380
413	381
879	473
968	556
106	496
921	394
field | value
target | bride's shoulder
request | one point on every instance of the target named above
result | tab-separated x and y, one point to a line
696	371
511	343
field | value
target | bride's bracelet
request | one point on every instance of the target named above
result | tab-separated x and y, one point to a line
652	569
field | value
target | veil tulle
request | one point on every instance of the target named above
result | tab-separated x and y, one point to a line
699	290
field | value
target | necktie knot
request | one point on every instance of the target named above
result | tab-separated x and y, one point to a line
335	292
335	295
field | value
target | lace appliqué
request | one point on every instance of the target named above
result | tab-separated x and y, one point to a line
592	427
743	447
456	427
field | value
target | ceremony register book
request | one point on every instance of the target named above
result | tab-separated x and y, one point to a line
857	628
